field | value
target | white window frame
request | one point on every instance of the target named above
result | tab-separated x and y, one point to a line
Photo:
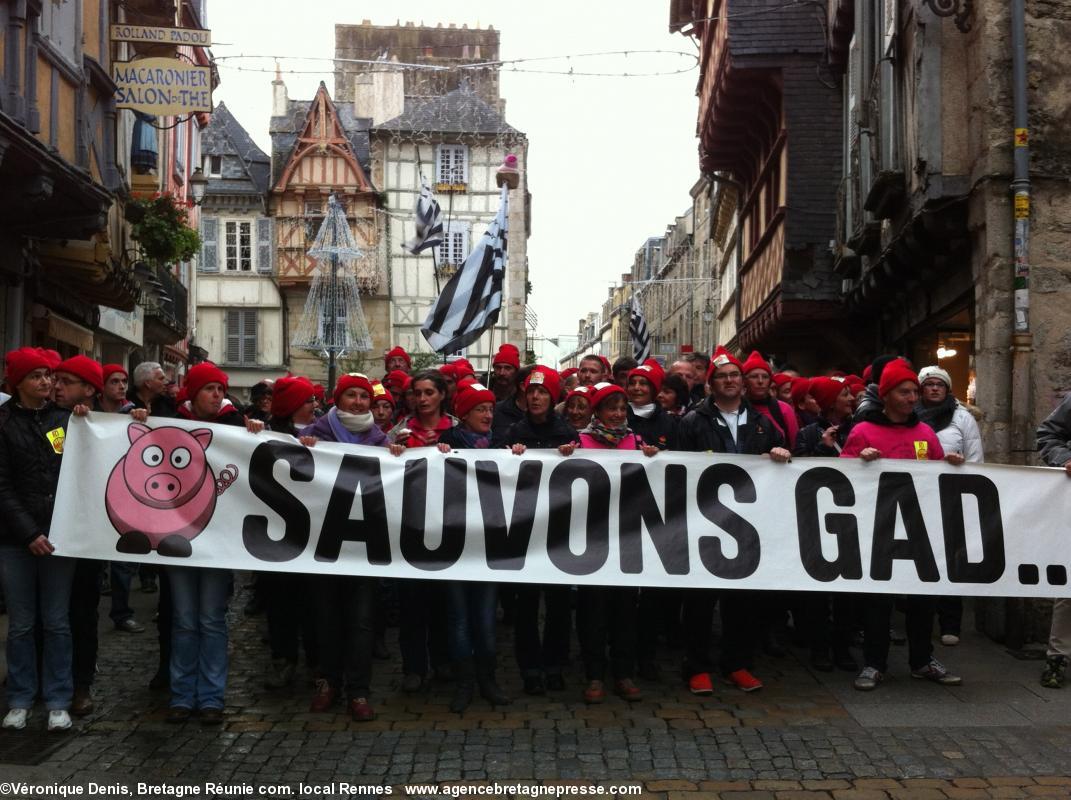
208	164
226	246
458	243
60	23
180	138
452	164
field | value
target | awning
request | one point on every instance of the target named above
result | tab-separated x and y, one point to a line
62	329
89	271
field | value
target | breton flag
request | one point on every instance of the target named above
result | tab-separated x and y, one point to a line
429	221
472	298
641	339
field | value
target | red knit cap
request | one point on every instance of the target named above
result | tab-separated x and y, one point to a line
462	367
110	369
203	374
83	368
545	377
20	363
801	387
318	391
449	370
565	373
781	378
348	381
895	373
606	365
289	394
867	372
580	391
508	354
397	381
398	351
604	391
470	396
720	358
653	375
756	361
825	391
381	392
52	357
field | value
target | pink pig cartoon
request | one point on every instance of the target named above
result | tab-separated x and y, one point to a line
162	493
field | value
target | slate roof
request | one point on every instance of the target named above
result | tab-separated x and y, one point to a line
285	130
225	136
459	111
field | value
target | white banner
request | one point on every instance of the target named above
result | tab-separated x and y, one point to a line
176	492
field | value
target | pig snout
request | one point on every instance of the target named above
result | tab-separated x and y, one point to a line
163	487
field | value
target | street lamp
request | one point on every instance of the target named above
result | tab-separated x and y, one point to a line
198	186
708	313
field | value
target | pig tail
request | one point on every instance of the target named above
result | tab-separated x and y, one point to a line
227	476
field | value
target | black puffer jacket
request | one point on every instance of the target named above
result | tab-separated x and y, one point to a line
703	429
29	469
659	429
551	434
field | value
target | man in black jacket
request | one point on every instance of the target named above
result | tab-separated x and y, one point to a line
509	410
725	423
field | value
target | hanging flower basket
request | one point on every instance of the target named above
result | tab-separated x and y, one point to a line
161	228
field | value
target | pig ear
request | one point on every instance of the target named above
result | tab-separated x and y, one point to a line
135	431
203	437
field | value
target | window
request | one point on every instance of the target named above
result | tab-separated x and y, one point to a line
213	166
340	336
241	336
238	246
314	208
456	244
180	148
61	24
452	164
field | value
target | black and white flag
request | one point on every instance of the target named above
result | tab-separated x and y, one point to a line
641	339
472	298
428	217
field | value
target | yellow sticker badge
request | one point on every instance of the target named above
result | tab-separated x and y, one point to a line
55	438
922	451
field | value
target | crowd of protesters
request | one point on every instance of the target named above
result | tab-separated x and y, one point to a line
447	629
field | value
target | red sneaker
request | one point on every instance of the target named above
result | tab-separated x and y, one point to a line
744	680
627	690
701	684
361	710
594	693
324	697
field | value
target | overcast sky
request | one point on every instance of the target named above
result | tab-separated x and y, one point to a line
611	160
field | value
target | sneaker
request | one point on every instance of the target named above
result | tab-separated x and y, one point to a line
324	697
937	672
949	639
701	684
627	690
744	681
59	720
868	679
130	625
594	693
1052	678
361	710
15	719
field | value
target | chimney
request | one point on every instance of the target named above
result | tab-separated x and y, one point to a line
279	98
379	95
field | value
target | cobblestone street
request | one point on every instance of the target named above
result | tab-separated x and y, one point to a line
803	731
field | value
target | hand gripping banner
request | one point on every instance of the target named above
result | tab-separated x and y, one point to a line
179	493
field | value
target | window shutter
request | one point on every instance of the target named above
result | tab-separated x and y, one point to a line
265	241
233	337
249	336
209	260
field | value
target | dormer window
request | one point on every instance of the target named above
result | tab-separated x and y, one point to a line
214	166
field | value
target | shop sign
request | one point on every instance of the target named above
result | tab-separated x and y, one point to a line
163	86
153	35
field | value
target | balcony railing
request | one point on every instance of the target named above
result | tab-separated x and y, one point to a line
168	303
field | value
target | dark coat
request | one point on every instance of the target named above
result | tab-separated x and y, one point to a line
703	429
506	413
809	439
29	469
551	434
659	429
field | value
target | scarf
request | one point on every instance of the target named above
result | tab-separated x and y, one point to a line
611	437
646	412
471	438
938	417
412	434
355	423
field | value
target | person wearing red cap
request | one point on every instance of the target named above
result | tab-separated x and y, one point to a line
113	398
570	379
471	605
511	409
758	376
577	411
782	386
725	422
803	404
78	381
504	365
592	370
607	616
898	433
383	404
462	369
37	584
397	359
345	604
541	659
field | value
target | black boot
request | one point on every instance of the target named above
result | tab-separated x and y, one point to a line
464	686
489	688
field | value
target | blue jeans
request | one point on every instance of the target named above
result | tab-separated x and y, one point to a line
199	636
123	573
37	585
470	614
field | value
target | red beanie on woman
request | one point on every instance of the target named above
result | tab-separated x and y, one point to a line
470	396
289	394
825	391
200	375
350	380
545	377
20	363
895	373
